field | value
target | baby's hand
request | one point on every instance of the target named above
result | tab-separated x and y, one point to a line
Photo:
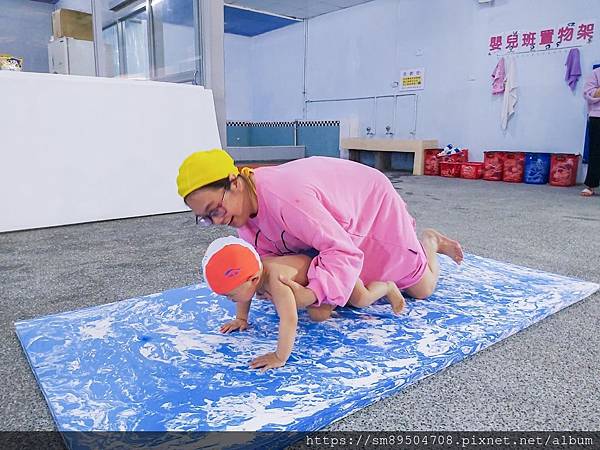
235	324
268	361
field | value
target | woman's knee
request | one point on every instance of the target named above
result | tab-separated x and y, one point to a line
422	290
425	287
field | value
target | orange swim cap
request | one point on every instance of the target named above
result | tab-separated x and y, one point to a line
228	263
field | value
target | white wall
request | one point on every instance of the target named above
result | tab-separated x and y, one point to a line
360	51
25	29
549	116
238	86
276	74
264	75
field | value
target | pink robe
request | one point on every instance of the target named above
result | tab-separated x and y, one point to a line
347	211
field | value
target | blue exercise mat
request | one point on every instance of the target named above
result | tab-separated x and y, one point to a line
158	362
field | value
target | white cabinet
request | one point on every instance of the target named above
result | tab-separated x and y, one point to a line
70	56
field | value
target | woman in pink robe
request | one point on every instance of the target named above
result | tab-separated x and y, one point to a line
347	212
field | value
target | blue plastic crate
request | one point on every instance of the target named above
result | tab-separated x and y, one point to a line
537	168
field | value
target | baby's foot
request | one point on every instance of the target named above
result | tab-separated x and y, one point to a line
320	313
445	245
395	298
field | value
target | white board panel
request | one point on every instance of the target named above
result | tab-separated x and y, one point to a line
81	149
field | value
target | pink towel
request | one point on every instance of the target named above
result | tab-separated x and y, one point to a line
498	77
573	68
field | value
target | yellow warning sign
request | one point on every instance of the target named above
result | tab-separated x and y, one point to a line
412	79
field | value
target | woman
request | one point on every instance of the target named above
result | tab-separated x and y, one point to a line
348	212
591	92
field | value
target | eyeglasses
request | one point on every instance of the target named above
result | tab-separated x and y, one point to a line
215	213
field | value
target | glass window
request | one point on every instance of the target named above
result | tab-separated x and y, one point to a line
135	31
174	37
110	38
147	39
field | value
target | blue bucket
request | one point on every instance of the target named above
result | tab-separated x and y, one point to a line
537	168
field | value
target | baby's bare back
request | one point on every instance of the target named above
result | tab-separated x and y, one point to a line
294	267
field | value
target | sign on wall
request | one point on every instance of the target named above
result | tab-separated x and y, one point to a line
412	79
571	34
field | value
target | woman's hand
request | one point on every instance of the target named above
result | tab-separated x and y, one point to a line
268	361
235	324
304	296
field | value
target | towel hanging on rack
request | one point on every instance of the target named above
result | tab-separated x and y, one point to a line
510	93
573	68
498	77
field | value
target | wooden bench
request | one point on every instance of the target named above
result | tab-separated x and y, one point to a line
383	149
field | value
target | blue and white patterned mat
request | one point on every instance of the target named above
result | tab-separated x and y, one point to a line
158	362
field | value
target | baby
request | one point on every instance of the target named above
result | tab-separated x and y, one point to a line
232	267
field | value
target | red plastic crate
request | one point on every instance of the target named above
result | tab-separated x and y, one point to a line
450	169
471	170
493	166
462	156
432	166
514	167
563	169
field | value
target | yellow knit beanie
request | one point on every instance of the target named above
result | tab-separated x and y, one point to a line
203	168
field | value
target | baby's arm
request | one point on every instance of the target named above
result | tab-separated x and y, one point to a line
283	299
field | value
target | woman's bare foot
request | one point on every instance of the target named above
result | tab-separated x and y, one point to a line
395	298
587	192
445	245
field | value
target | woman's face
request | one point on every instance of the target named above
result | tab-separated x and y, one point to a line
221	206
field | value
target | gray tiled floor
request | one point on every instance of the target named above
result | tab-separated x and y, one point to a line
545	377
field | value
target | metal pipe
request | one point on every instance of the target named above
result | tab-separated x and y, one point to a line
295	132
304	108
118	6
151	41
374	115
374	97
345	99
414	131
199	72
97	30
394	116
122	48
